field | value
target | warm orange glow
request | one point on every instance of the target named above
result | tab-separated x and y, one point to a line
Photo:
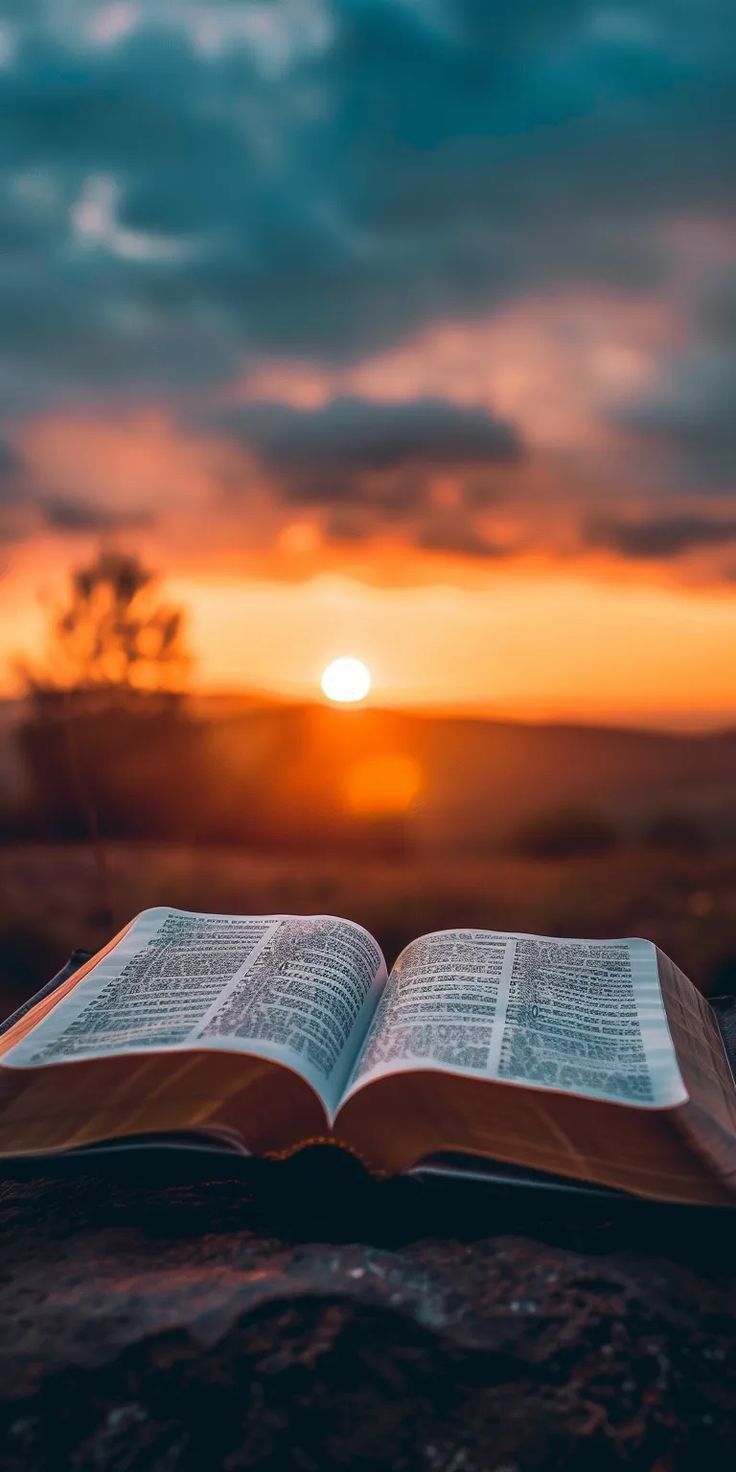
551	628
382	784
530	648
346	680
533	648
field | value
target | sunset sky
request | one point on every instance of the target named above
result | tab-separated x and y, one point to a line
396	328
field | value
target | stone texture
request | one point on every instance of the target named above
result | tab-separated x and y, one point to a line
183	1324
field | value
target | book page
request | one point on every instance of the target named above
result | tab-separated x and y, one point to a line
582	1017
299	990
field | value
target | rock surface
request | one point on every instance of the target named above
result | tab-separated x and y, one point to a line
157	1327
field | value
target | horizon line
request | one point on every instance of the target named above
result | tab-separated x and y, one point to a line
674	723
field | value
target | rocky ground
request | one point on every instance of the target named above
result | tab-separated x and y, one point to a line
169	1323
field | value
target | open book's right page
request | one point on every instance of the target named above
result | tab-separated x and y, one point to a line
581	1017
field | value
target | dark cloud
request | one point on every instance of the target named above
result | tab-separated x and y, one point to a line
16	512
66	514
662	537
9	471
369	466
327	453
14	519
695	424
8	458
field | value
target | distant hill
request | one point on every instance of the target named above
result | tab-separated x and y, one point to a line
478	778
291	773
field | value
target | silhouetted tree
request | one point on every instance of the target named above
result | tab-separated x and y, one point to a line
107	743
114	635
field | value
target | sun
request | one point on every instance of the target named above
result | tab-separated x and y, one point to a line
346	680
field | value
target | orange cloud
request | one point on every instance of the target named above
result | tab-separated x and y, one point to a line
139	461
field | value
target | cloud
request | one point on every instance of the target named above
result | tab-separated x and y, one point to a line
336	445
66	514
8	458
265	194
690	418
462	539
14	520
662	537
9	468
29	500
417	469
421	469
193	190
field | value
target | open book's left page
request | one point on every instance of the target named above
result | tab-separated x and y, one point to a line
297	990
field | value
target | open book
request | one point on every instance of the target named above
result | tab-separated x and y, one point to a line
592	1059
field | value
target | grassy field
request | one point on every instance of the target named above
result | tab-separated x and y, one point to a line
50	901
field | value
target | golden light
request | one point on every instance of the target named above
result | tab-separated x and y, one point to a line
387	783
346	680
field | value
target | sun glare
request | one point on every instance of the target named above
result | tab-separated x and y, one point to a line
346	680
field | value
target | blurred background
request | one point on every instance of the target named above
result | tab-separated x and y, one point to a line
396	330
